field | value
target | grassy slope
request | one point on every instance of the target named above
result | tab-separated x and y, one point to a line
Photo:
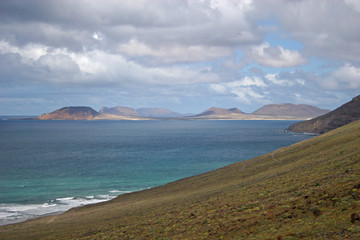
305	191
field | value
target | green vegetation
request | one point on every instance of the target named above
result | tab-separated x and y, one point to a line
305	191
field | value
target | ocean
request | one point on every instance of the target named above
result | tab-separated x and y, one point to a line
48	167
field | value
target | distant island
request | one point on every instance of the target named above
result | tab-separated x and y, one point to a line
70	113
268	112
289	109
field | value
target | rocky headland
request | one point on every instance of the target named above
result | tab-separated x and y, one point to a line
347	113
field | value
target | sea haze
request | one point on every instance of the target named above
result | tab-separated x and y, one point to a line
51	166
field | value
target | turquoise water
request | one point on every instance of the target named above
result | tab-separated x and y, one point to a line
51	166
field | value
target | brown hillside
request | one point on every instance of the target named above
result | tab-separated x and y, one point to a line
70	113
288	109
347	113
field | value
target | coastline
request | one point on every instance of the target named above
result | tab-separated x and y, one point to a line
111	117
51	207
309	181
17	212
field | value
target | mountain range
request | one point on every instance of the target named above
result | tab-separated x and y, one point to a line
267	112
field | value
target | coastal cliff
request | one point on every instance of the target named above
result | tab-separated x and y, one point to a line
345	114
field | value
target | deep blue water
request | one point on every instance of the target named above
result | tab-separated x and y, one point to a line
51	166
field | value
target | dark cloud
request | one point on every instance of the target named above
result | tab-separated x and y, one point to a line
326	28
155	23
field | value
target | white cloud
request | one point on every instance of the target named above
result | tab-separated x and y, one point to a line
246	94
29	52
246	89
170	31
98	36
276	56
101	68
345	77
59	64
218	88
291	80
247	81
173	53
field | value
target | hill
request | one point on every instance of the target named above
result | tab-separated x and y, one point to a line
288	109
158	112
268	112
70	113
308	190
120	111
347	113
220	111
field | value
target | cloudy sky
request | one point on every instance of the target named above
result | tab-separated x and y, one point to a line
183	55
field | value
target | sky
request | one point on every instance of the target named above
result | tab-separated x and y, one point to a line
184	55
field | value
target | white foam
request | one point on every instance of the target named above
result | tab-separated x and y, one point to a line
6	214
114	191
12	213
65	199
48	205
104	196
119	191
18	207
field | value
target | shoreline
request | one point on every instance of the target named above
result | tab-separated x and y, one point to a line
120	118
50	207
17	212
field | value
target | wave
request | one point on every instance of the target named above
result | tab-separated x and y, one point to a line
13	213
119	191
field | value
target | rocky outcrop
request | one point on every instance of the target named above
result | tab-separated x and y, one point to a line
70	113
347	113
